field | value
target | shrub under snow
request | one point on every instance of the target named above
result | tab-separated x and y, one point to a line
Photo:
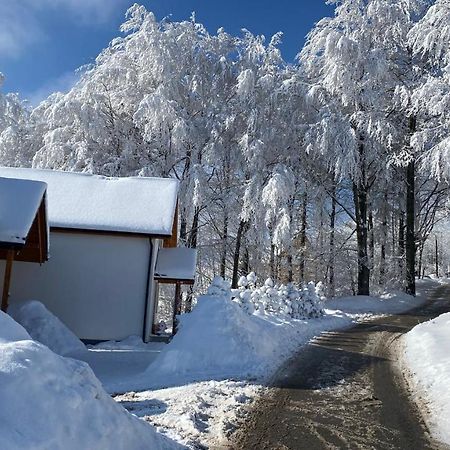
284	300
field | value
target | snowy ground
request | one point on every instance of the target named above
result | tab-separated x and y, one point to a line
195	387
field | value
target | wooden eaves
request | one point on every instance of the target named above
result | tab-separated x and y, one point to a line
34	249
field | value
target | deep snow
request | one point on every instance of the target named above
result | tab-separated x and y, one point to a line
48	402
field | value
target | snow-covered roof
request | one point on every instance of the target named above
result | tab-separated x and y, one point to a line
19	203
91	202
176	264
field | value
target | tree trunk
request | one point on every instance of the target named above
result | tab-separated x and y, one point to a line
303	237
332	289
193	234
371	238
437	256
242	229
384	237
272	261
360	200
401	244
410	241
223	258
245	263
183	228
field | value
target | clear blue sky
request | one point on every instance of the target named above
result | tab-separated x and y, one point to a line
42	42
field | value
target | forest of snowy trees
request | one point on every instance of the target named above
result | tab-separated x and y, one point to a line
332	169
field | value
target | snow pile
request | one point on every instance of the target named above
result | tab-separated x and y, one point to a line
46	328
284	300
51	402
220	339
427	357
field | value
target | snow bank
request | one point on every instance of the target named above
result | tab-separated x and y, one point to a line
46	328
220	339
50	402
390	303
428	359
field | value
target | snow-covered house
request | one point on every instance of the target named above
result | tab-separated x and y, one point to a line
112	241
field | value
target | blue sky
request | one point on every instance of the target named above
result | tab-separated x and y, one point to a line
43	42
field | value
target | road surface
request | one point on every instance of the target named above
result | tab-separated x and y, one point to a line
344	390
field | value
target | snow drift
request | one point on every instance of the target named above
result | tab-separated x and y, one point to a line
46	328
48	402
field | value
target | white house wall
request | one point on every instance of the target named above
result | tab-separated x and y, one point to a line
96	284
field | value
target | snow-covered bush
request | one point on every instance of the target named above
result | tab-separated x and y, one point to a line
284	300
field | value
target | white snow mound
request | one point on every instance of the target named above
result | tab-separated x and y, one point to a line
48	402
219	340
46	328
427	357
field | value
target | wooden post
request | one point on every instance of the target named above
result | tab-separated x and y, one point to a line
7	279
177	306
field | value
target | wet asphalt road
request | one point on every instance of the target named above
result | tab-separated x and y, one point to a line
344	390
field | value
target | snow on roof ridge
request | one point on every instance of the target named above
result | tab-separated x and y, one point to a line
80	200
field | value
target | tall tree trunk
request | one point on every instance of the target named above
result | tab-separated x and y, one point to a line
193	234
223	257
332	288
360	200
290	259
410	237
303	237
421	269
272	260
401	244
371	239
437	256
183	227
242	229
384	237
245	263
